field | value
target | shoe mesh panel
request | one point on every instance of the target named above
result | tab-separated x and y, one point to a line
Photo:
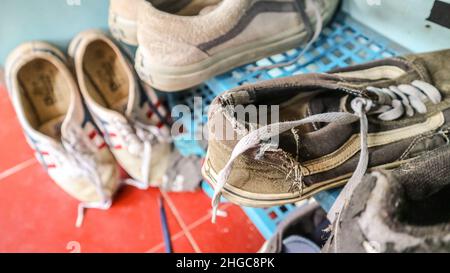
426	184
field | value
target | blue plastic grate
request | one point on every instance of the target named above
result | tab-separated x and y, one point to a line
343	43
266	220
187	143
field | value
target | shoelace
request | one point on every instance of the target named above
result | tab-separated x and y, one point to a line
389	107
317	30
85	164
140	138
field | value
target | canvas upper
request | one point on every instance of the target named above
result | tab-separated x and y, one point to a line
333	126
128	9
57	126
123	15
403	210
129	115
177	52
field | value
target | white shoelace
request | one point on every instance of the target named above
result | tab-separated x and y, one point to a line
139	139
76	151
389	107
103	205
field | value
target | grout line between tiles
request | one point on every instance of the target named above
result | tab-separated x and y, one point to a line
181	233
206	218
192	226
160	245
17	168
181	222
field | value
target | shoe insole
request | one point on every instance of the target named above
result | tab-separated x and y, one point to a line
294	109
108	80
52	127
46	94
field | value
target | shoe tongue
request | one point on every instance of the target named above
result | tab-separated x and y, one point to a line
325	103
122	106
53	127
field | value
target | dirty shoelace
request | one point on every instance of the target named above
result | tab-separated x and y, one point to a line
140	138
393	103
78	154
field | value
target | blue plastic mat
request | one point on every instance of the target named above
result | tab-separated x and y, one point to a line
343	43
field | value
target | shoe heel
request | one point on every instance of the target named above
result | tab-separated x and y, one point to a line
123	30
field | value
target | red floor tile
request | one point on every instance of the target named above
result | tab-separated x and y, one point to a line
14	148
235	233
37	216
179	245
191	206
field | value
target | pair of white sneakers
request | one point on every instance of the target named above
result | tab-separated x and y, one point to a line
80	138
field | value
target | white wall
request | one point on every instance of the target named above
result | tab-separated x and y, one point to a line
56	21
403	21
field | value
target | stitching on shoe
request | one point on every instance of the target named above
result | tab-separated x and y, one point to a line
318	165
246	160
416	68
418	140
414	143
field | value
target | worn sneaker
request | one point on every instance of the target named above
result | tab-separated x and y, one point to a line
130	118
403	210
302	231
178	52
122	20
123	15
329	126
58	127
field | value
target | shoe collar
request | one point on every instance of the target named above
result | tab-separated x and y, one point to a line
78	51
352	80
39	50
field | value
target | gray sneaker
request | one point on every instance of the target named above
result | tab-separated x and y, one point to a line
178	52
330	129
403	210
123	15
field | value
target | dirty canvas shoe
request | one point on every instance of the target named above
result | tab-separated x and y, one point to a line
302	231
123	15
403	210
132	120
58	127
330	128
122	20
178	52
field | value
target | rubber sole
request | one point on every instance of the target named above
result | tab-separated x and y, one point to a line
172	79
250	199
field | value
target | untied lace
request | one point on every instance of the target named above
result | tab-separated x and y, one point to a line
393	103
139	138
77	154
